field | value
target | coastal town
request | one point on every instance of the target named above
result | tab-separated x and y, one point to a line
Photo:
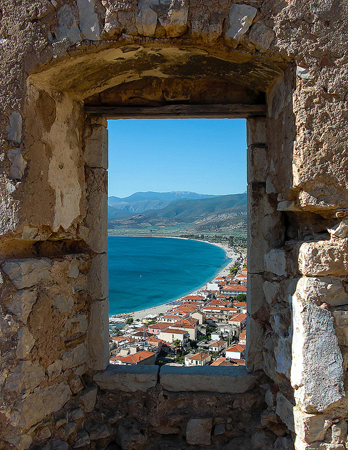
206	327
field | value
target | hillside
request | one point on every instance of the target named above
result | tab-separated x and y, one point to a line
219	215
144	201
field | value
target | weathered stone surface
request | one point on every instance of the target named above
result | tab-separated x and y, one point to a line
25	376
262	440
69	428
198	431
310	427
82	439
88	398
324	258
67	28
43	434
20	442
316	371
129	435
339	432
76	414
55	369
98	277
146	19
18	163
74	271
285	410
283	443
63	304
99	432
319	290
40	404
275	262
255	339
219	429
25	273
303	72
340	230
97	210
241	17
261	36
14	129
25	343
76	325
175	20
89	24
210	379
75	356
127	378
96	148
21	304
256	296
257	164
271	291
256	131
76	385
98	335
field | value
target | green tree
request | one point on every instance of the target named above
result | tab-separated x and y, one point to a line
176	343
240	297
129	321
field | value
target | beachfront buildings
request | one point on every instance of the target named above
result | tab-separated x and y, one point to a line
204	328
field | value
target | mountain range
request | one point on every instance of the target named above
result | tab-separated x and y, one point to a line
177	212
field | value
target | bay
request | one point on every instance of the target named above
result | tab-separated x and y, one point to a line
148	271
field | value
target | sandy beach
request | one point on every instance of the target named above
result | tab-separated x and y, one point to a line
231	253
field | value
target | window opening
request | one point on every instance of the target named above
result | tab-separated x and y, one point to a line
177	301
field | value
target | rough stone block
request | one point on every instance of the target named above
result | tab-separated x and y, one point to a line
240	18
198	431
127	378
271	291
324	258
256	297
257	166
40	404
76	325
22	303
96	148
97	211
275	262
233	380
67	28
75	356
309	427
89	24
98	277
14	129
254	346
340	230
88	398
146	21
175	20
98	336
25	273
261	36
256	131
20	442
339	432
18	163
25	343
318	290
82	439
315	351
55	369
24	376
285	410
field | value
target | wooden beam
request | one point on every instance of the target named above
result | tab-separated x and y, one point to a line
232	111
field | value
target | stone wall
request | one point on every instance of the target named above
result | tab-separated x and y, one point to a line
286	60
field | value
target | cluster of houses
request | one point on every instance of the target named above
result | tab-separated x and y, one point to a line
203	329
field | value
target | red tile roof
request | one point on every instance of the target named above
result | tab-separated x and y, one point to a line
174	331
238	317
234	287
135	358
200	356
218	343
236	348
222	362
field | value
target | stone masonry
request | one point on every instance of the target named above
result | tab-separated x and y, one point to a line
67	66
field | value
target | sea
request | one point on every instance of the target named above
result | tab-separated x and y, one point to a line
149	271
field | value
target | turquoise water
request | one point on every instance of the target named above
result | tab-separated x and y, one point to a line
147	271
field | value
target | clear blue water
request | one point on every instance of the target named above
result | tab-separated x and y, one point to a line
147	271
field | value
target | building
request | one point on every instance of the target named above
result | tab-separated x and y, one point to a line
218	346
174	334
234	289
157	327
238	321
242	338
140	358
199	316
235	351
199	359
221	313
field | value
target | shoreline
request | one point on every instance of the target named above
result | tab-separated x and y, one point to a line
232	254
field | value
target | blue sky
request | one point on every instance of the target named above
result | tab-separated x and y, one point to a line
207	156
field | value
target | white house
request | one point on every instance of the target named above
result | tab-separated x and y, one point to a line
236	351
199	359
174	334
